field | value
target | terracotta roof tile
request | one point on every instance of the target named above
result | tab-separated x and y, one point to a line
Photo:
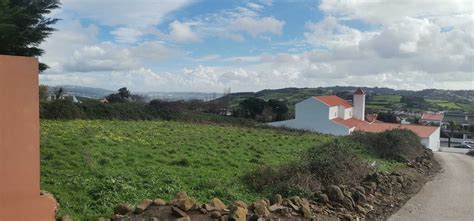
431	116
359	91
333	100
420	130
349	123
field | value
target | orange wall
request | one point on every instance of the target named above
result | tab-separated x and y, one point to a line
19	142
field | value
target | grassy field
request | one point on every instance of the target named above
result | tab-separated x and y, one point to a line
91	166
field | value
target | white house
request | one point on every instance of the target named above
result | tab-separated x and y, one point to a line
334	115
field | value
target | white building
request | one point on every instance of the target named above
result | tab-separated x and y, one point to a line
334	115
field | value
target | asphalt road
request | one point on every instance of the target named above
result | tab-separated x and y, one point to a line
449	196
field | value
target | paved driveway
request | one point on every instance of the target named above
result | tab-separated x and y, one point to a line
450	196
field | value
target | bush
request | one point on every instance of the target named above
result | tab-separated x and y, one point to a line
470	153
336	162
60	109
327	163
401	145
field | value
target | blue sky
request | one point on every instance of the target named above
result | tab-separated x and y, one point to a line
207	46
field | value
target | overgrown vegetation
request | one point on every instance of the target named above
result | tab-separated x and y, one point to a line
470	153
342	160
398	144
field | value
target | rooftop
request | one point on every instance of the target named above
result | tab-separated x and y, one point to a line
333	100
420	130
432	116
349	123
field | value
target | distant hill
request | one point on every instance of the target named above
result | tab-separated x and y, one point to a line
97	93
385	99
79	91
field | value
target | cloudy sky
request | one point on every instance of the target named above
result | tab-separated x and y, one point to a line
209	45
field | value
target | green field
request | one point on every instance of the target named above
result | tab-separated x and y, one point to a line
92	165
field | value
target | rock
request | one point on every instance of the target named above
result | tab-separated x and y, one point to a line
177	211
187	218
238	213
359	196
360	189
153	219
218	204
306	211
183	201
335	193
361	209
267	202
241	204
275	207
208	207
323	198
143	206
348	217
260	208
158	202
103	219
117	216
297	200
291	205
66	218
277	199
216	215
123	209
203	211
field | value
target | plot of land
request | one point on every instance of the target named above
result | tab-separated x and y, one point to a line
91	166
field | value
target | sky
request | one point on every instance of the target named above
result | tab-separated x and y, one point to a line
251	45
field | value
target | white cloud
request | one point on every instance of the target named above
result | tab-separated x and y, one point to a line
257	26
386	11
126	35
75	48
181	32
137	13
228	24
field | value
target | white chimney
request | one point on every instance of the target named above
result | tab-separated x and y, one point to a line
359	104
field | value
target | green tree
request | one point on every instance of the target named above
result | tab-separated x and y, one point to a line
122	96
251	107
23	26
279	108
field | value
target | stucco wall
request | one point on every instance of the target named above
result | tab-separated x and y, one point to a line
359	106
313	115
348	113
432	142
20	197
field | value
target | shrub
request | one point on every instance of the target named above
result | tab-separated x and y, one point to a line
327	163
60	109
401	145
470	153
336	162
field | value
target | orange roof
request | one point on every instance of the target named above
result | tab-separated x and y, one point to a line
333	100
420	130
430	116
359	91
349	123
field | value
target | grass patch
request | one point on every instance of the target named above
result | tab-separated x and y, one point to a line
92	165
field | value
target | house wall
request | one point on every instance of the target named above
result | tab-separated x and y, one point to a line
432	142
341	113
359	106
313	115
333	111
348	113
